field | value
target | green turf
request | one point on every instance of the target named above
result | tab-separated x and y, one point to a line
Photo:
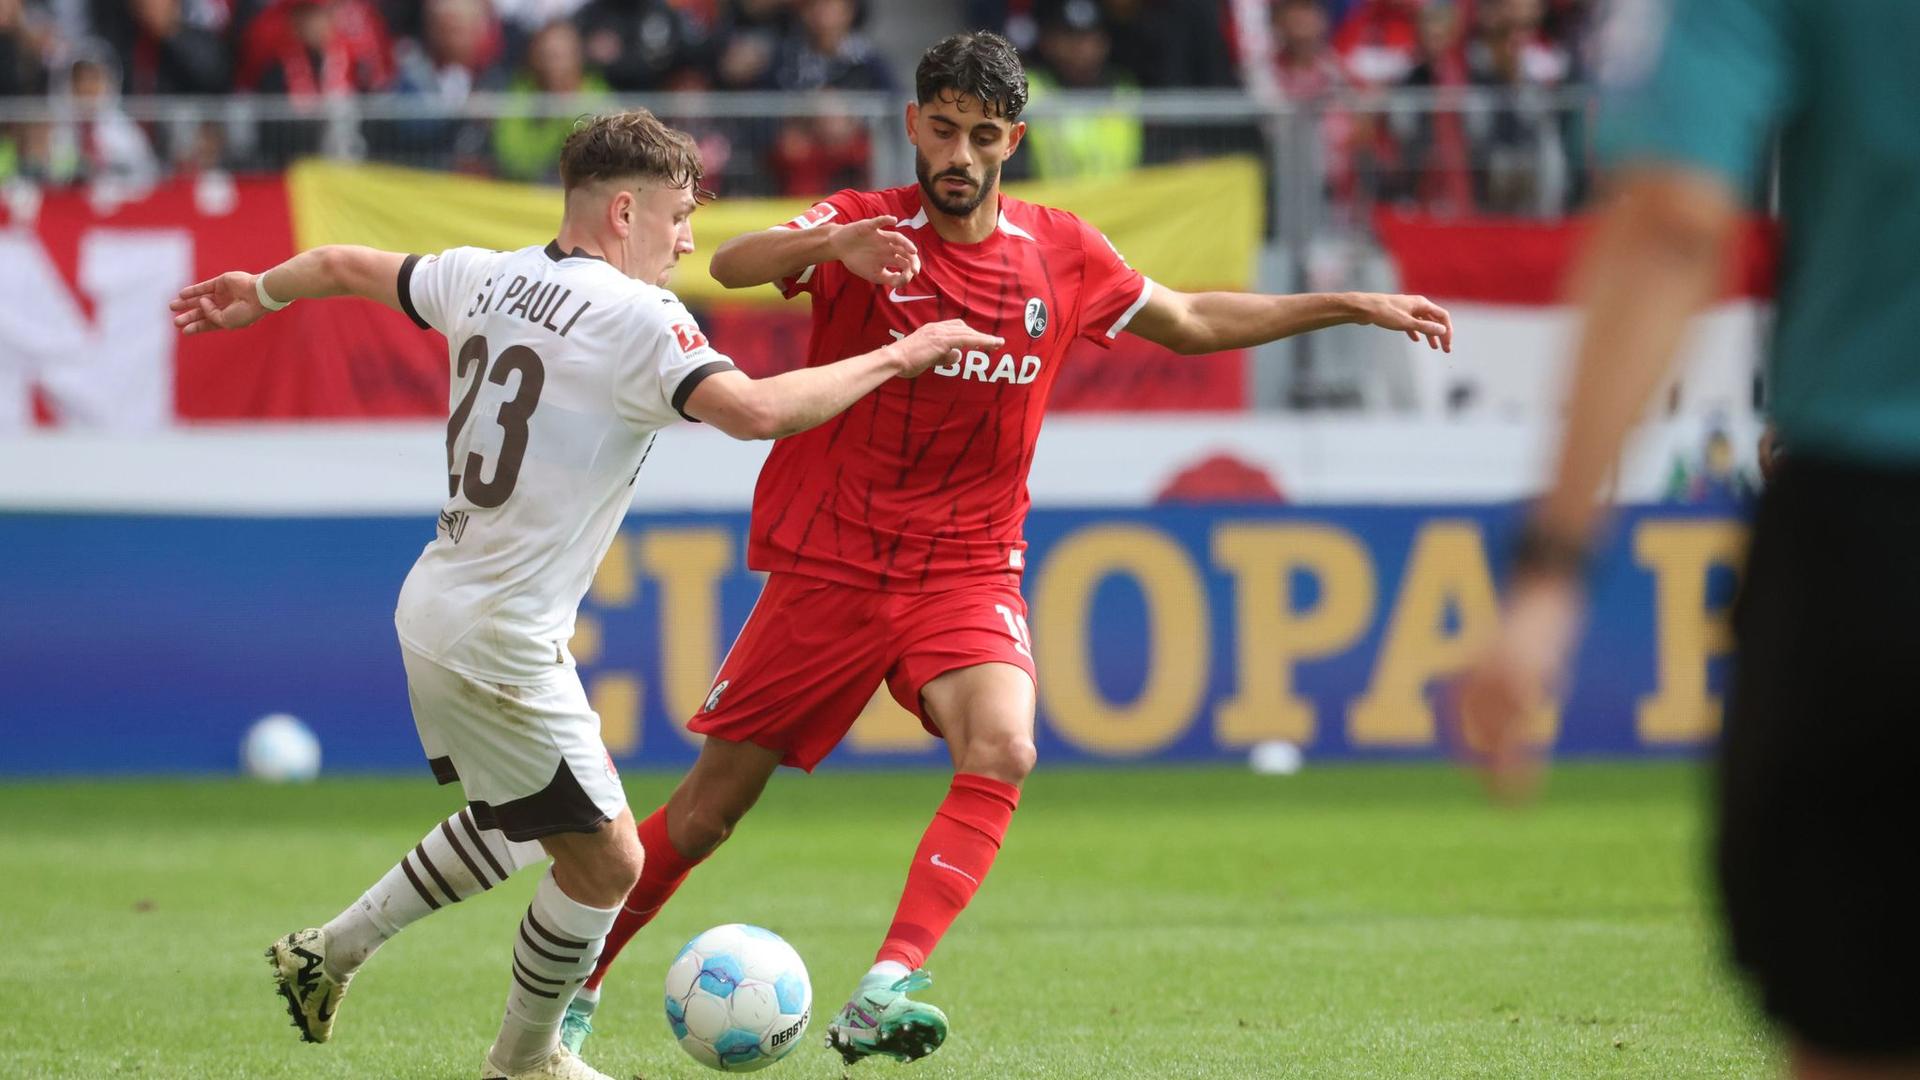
1346	922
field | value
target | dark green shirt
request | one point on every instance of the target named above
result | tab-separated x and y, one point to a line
1706	84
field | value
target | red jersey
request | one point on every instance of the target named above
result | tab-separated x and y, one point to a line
922	484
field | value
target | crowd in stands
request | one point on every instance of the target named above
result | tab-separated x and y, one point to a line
93	55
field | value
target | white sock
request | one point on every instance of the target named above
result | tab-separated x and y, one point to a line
891	970
455	860
553	953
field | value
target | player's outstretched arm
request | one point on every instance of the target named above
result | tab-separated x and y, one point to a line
1653	260
793	401
238	299
870	249
1192	323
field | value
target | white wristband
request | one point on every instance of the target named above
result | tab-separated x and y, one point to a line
260	291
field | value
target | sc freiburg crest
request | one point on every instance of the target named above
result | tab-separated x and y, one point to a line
1036	317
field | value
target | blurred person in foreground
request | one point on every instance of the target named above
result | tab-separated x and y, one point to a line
894	538
568	360
1814	801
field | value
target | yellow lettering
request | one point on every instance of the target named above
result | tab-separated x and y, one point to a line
587	637
689	565
613	584
616	697
1178	648
1273	635
1687	634
1446	571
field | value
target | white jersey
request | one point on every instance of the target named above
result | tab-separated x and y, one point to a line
564	372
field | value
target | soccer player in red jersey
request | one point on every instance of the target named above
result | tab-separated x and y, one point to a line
892	535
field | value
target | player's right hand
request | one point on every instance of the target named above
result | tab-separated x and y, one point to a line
944	342
872	250
227	302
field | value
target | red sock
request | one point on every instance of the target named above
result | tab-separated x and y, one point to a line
661	872
954	857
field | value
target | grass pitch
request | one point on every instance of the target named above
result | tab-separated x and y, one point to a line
1346	922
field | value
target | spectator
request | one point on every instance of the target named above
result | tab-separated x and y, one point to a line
23	47
315	61
1305	66
523	20
1306	70
1519	161
641	44
1074	47
826	51
101	145
1378	39
1171	43
168	46
753	30
458	53
313	55
526	145
821	154
1434	141
1545	61
22	74
357	37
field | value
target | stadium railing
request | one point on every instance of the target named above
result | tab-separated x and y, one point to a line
1332	166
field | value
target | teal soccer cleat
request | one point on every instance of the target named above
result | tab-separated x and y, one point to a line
882	1019
576	1025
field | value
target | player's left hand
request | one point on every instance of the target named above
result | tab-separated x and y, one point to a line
1501	695
227	302
1415	316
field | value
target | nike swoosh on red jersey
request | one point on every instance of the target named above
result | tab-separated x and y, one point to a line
894	295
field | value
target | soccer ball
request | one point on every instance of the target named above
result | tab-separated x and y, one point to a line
280	749
738	998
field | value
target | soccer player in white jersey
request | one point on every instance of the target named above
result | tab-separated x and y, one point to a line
567	361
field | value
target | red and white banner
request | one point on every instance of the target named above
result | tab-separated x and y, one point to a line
86	340
1506	284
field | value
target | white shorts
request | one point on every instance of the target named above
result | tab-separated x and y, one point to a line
529	757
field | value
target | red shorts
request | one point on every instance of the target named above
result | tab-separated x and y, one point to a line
813	652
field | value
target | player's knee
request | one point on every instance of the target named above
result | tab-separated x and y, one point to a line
704	828
618	870
600	875
1005	756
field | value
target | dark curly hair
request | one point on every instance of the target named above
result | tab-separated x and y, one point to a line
982	64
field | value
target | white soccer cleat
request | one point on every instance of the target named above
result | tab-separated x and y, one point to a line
313	997
560	1065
